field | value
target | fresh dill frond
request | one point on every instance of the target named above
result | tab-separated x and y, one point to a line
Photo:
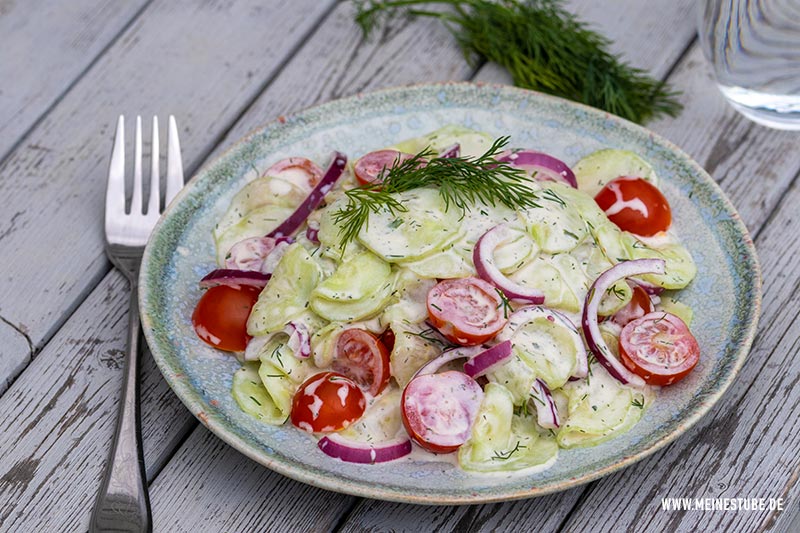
544	48
461	181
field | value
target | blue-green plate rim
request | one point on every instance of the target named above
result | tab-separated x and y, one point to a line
214	421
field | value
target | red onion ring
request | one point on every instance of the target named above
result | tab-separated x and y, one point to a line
451	152
339	447
314	198
483	257
546	411
589	323
546	167
234	278
485	361
299	339
433	366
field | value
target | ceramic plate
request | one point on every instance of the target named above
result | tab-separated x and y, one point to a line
725	295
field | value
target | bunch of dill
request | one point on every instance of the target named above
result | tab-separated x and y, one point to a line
544	48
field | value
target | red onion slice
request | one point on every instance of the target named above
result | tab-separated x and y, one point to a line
312	234
288	168
546	167
314	198
234	278
649	288
299	339
483	257
433	366
451	152
589	323
524	315
546	411
485	361
350	451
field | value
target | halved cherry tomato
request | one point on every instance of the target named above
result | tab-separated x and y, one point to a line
659	348
388	338
439	409
220	318
296	170
639	306
327	402
467	311
360	356
370	168
635	205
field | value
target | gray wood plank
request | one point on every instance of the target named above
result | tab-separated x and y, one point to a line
209	486
749	445
59	416
203	62
64	38
15	353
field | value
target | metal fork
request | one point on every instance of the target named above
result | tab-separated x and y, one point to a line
123	503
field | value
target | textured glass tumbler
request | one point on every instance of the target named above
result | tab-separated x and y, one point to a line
754	48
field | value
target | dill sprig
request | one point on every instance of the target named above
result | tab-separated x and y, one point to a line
462	182
544	48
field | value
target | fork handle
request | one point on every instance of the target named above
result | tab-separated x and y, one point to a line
123	504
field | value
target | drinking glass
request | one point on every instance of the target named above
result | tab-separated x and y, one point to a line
754	48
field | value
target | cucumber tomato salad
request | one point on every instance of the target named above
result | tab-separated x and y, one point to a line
452	296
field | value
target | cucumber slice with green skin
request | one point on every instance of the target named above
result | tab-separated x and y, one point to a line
251	396
381	422
411	308
353	310
501	441
473	143
287	293
541	274
355	279
599	408
598	168
556	224
423	229
548	348
414	345
680	268
516	376
670	305
281	372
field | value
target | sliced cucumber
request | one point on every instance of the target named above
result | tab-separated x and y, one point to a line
426	227
381	422
680	269
599	408
598	168
501	441
414	345
251	396
473	143
287	293
541	274
516	376
670	305
355	279
556	224
352	310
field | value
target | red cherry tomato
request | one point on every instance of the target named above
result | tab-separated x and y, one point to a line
439	409
639	306
635	205
296	170
659	348
360	356
370	168
220	318
388	338
327	402
467	311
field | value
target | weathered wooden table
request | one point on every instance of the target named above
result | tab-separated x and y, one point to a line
67	69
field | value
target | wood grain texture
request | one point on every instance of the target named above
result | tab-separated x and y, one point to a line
203	62
59	416
47	45
209	486
343	64
749	445
15	353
